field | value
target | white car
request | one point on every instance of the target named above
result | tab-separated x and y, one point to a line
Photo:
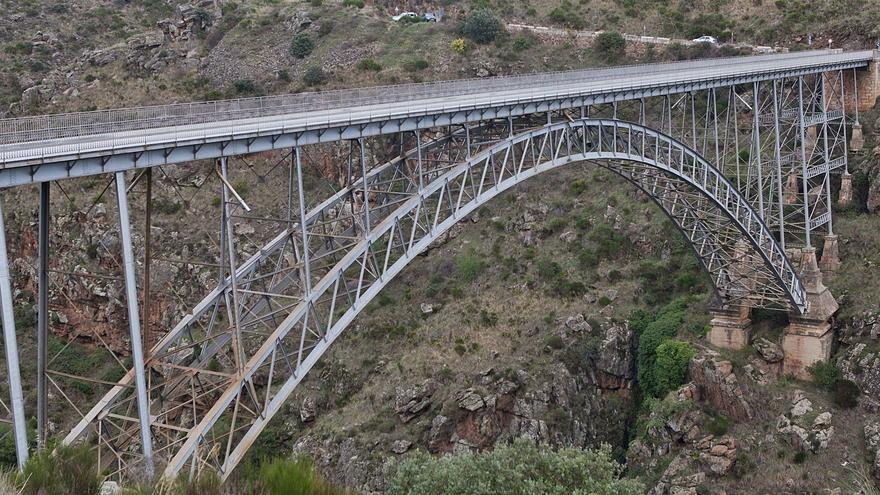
706	39
404	14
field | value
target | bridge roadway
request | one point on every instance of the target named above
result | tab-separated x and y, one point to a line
86	143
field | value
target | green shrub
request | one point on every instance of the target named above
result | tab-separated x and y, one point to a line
653	330
65	470
469	266
522	43
302	45
353	3
548	269
294	477
670	369
314	76
718	424
825	374
609	243
482	26
416	65
554	342
521	468
610	45
800	457
245	87
369	64
566	288
846	393
588	259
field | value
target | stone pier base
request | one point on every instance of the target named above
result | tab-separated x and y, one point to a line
730	328
846	193
804	345
857	142
830	261
808	337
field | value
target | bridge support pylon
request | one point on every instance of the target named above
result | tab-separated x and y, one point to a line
857	140
846	192
830	261
730	327
808	336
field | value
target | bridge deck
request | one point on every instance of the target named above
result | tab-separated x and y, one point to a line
51	138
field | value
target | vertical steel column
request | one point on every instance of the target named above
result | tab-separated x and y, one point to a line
756	111
778	148
843	118
736	137
365	186
825	155
43	316
12	367
803	143
148	256
302	222
137	354
237	351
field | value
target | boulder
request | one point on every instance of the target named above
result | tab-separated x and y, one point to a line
769	351
469	400
615	364
308	410
400	446
872	442
411	401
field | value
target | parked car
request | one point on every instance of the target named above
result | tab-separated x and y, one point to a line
410	15
706	39
429	17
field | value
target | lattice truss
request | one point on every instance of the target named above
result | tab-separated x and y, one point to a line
224	370
743	171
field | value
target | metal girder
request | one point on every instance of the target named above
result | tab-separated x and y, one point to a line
704	204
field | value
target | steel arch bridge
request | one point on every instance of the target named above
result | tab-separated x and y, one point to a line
739	154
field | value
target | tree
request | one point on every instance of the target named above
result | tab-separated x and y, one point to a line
301	45
521	468
610	45
482	26
671	366
314	76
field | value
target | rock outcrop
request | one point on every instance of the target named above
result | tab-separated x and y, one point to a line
718	385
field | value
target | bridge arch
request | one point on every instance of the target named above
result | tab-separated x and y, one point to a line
731	240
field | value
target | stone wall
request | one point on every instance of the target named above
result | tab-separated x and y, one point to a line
868	83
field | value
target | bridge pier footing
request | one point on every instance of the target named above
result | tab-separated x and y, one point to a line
808	336
730	327
846	193
830	261
857	141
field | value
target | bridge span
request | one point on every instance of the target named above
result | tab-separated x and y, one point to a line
742	154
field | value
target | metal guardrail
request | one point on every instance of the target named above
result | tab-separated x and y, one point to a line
47	127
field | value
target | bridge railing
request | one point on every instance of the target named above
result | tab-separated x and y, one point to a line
59	126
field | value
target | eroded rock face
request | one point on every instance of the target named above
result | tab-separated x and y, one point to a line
615	366
718	385
872	442
862	365
802	433
411	401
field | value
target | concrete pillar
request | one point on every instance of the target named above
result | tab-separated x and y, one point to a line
846	193
857	141
811	140
791	189
808	336
730	327
830	261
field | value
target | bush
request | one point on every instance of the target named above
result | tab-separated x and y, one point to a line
314	76
522	43
244	87
416	65
482	26
302	45
66	470
846	394
353	3
671	366
548	269
824	374
610	45
294	477
554	342
517	469
458	45
653	330
369	64
469	266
